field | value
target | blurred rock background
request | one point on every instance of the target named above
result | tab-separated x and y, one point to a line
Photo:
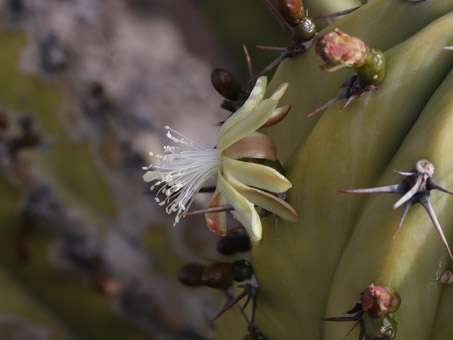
86	87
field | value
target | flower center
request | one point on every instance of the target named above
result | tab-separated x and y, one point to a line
181	171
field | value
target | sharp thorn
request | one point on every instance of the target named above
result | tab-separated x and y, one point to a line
407	174
272	48
270	66
325	106
278	16
337	14
248	60
429	209
408	195
408	205
210	210
379	190
433	185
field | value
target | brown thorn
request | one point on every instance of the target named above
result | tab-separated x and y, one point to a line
326	105
209	210
272	48
350	331
337	14
248	60
270	66
326	19
278	16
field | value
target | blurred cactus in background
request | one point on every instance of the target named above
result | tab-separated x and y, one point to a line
85	93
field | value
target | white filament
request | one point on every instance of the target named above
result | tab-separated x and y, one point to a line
181	173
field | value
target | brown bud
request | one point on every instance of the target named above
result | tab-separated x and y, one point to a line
190	274
378	301
340	50
226	84
291	10
218	275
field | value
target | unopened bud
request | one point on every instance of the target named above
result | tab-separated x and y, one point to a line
242	270
226	84
218	275
340	50
305	30
291	10
378	301
190	274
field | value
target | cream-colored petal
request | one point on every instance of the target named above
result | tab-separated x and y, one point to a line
255	97
267	201
277	115
252	122
255	145
244	211
217	220
255	175
280	92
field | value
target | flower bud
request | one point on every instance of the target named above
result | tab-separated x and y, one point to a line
373	70
226	84
218	275
291	10
378	301
190	274
234	242
305	30
340	50
242	270
380	329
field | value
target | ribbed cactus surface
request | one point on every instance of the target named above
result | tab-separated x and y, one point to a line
317	267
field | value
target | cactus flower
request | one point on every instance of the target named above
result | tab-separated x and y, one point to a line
241	181
339	50
379	301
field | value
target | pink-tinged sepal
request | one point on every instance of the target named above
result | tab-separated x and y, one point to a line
216	221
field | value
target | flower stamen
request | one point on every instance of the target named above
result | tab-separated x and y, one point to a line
181	173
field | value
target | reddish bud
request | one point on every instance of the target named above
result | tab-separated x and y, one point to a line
291	10
378	301
339	50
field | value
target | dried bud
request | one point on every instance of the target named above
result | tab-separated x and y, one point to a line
380	329
218	275
291	10
226	84
339	50
190	274
378	301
